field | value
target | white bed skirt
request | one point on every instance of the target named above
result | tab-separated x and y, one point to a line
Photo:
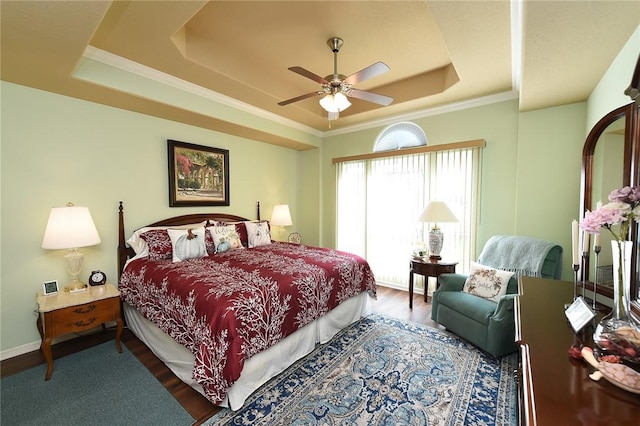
259	368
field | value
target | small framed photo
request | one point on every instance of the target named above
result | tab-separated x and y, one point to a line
579	314
50	287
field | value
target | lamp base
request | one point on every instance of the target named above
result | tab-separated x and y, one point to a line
435	257
75	287
435	242
74	265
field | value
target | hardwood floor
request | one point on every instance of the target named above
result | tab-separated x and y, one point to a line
390	302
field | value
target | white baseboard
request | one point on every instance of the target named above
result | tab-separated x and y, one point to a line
19	350
416	289
34	346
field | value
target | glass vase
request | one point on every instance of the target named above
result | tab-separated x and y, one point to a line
619	332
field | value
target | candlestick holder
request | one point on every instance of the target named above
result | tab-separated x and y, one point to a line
596	250
585	262
575	280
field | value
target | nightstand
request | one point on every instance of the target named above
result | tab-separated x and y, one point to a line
63	312
428	268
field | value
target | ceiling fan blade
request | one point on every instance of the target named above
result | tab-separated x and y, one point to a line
370	97
299	98
305	73
367	73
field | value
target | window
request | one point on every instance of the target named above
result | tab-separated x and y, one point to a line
381	196
400	135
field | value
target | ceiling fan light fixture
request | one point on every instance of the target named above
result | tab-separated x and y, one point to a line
335	103
341	102
328	103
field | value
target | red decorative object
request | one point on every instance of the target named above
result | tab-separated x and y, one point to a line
575	351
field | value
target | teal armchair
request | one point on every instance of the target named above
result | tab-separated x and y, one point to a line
487	324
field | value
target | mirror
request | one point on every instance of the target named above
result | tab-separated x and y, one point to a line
607	175
603	160
602	157
608	155
610	160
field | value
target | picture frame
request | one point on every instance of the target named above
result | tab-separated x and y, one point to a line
579	314
198	175
50	287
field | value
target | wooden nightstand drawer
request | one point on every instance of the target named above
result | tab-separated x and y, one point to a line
81	317
72	312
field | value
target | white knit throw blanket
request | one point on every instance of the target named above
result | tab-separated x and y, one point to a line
522	255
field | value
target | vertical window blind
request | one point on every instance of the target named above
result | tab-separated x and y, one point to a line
379	199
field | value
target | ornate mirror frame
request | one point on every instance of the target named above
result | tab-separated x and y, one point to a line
630	172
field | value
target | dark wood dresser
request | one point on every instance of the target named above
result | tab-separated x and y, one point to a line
553	388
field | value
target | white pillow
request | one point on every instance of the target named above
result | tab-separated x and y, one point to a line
225	234
140	246
487	282
258	234
187	243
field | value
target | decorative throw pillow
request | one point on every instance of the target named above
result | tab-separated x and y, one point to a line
139	245
487	282
208	242
258	234
225	237
241	229
158	244
187	243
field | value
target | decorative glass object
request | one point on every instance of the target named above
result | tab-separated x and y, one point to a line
619	332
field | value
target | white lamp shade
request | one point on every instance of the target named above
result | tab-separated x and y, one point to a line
328	104
437	211
281	215
341	102
70	227
335	103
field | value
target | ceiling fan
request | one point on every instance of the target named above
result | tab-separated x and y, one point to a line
337	87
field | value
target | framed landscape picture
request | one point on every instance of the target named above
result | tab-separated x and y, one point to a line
198	175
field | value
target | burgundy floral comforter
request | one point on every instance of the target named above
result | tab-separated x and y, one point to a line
227	307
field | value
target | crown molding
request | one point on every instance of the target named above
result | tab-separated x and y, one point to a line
144	71
429	112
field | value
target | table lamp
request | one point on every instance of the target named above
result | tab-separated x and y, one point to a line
69	228
436	211
281	216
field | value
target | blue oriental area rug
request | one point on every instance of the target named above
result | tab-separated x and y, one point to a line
384	371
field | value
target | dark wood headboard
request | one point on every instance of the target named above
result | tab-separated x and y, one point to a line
125	252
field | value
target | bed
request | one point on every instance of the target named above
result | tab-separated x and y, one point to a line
228	311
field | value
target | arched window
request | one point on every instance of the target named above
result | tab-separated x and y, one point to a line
400	135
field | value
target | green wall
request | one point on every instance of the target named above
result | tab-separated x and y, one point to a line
57	149
308	197
609	93
548	186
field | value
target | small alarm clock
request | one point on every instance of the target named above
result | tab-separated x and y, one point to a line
97	278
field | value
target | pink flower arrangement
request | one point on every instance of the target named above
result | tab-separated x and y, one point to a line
623	209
